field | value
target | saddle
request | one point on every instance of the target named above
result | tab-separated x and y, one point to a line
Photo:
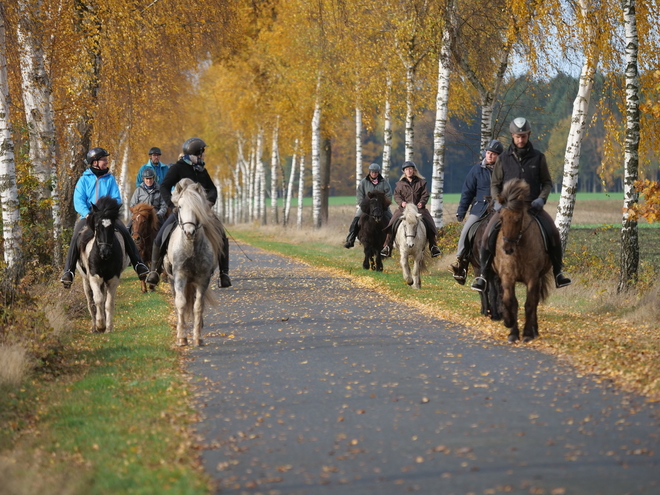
492	235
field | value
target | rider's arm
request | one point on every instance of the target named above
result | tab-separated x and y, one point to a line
546	180
496	179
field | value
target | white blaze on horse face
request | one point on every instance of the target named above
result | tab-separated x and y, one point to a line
106	223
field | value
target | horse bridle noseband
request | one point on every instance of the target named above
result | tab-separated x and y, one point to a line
195	225
522	231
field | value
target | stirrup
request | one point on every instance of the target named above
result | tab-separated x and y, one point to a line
223	281
349	243
65	279
153	278
479	284
386	252
142	270
562	280
435	251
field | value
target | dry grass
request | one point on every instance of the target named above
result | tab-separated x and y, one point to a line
14	364
28	474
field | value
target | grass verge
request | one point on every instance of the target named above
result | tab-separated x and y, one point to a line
115	416
575	325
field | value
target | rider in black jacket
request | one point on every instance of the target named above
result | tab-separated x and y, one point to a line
190	166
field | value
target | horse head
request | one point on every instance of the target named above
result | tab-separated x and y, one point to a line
410	223
190	198
513	213
375	206
143	222
101	221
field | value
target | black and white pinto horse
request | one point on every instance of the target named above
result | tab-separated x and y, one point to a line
102	259
411	240
371	232
192	256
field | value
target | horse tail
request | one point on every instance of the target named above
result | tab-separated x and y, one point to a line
546	283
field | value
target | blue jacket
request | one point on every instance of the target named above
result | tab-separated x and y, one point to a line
90	188
475	189
160	169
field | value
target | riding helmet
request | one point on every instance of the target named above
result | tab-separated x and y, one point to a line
495	146
520	125
194	146
375	167
409	163
148	172
95	154
155	151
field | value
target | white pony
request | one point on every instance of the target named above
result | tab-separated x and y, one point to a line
411	240
192	256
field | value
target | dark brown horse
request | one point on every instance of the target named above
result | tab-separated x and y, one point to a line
371	233
491	298
520	256
144	227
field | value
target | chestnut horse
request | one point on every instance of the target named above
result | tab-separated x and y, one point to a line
520	256
144	227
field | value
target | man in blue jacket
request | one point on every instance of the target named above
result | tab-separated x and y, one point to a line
155	164
95	182
476	189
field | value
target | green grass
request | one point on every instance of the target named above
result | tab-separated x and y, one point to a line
117	417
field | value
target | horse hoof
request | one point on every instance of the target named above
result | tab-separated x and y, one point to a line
182	342
513	339
410	283
527	339
198	342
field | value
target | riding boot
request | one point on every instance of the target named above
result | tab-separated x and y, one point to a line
156	262
561	280
223	264
459	269
433	245
479	284
72	256
131	249
386	252
352	233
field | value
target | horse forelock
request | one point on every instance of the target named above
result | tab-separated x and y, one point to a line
410	213
192	199
107	207
514	194
146	210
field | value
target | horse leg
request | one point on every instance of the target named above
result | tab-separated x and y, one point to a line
511	310
417	281
405	266
110	303
98	294
198	312
180	304
379	261
531	329
89	295
494	295
366	262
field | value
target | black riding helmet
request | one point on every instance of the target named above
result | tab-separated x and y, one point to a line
155	151
194	146
495	146
409	163
148	172
95	154
520	125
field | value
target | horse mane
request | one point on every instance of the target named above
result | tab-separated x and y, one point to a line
146	210
193	195
105	207
410	213
514	194
365	204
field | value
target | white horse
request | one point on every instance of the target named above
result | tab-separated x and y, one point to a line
410	239
192	256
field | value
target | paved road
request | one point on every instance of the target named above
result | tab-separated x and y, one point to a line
310	384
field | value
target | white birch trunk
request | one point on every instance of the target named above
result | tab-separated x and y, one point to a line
261	174
316	162
123	176
358	145
301	191
410	113
236	176
8	189
274	165
629	233
441	111
253	184
566	205
387	130
289	189
37	95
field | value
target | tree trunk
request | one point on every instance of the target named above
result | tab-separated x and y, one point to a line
289	189
261	173
301	190
274	165
629	234
326	162
123	175
441	110
387	130
566	205
410	113
316	165
358	146
11	219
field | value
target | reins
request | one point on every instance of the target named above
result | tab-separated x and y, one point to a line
522	231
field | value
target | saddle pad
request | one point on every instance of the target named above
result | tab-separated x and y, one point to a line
544	234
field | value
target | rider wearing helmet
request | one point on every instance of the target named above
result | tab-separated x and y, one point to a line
190	166
95	182
522	161
474	197
154	164
411	188
149	192
372	182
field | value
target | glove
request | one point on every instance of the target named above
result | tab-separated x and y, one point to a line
460	216
497	206
537	205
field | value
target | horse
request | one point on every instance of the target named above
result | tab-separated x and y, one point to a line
144	223
520	256
491	298
192	256
410	239
371	234
102	259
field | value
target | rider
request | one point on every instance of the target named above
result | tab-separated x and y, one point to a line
190	166
476	189
148	192
372	182
95	182
411	188
154	164
522	161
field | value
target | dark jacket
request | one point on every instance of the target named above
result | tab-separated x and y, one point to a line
366	186
411	192
475	189
183	170
531	166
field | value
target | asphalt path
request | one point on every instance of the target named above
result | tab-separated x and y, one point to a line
311	384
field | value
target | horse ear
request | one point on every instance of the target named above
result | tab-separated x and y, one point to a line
95	208
370	194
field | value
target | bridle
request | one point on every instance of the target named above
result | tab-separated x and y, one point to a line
522	230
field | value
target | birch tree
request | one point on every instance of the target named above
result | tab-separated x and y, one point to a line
387	128
301	190
274	165
316	162
289	189
8	189
629	234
